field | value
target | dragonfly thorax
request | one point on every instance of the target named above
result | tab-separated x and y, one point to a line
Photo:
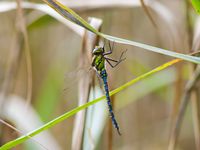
98	50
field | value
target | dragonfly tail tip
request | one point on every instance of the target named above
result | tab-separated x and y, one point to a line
119	132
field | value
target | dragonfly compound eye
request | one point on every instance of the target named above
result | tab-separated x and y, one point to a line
98	50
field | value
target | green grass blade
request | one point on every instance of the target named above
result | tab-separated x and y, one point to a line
75	18
154	49
70	15
48	125
196	5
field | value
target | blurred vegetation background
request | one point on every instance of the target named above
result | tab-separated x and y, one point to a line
146	111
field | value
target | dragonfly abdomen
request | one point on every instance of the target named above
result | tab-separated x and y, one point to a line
104	78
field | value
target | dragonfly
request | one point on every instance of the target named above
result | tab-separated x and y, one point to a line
100	57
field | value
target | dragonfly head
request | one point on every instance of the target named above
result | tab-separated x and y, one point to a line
98	50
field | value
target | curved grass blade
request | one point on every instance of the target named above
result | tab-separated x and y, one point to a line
70	15
196	5
50	124
75	18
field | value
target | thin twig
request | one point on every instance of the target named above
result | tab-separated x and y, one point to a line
20	132
13	59
178	94
148	13
185	99
22	26
195	114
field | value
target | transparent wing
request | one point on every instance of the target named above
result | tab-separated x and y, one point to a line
72	77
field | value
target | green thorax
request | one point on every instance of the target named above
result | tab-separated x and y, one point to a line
98	62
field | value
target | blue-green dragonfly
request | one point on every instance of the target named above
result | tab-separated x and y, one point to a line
98	63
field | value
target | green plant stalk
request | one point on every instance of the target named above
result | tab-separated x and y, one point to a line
48	125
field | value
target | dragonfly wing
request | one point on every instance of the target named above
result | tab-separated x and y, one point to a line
99	79
71	78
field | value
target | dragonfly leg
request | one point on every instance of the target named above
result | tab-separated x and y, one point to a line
111	49
113	66
109	60
104	43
